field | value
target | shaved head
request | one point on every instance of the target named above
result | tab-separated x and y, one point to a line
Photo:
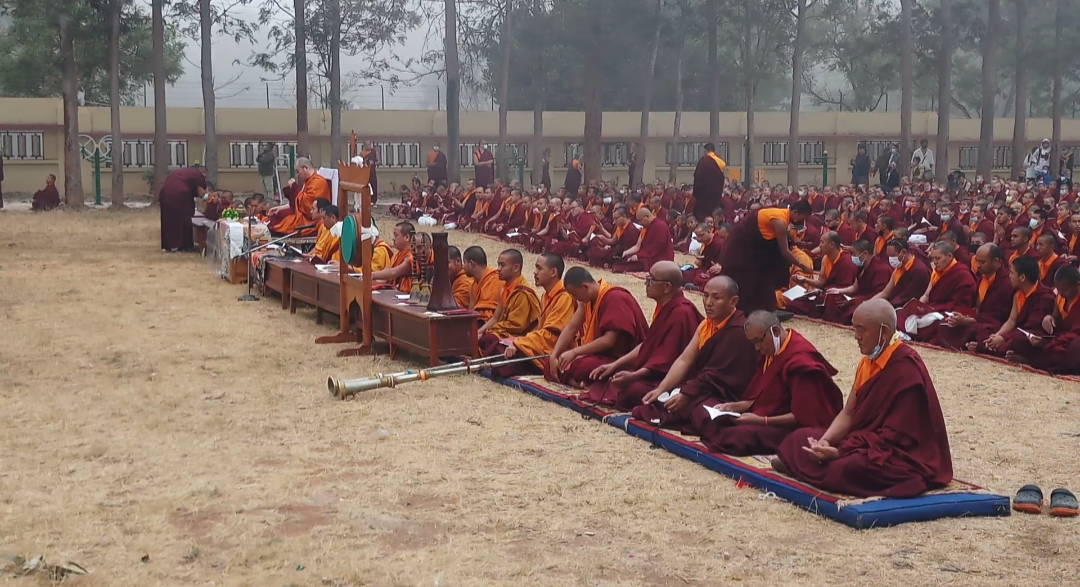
667	271
874	323
723	283
877	312
762	319
721	297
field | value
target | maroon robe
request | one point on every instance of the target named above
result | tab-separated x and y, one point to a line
954	292
843	274
574	242
671	331
1062	355
710	254
1039	305
846	233
897	445
601	256
618	312
177	206
756	265
720	373
708	187
990	313
911	285
656	246
46	199
1051	272
798	381
872	280
484	176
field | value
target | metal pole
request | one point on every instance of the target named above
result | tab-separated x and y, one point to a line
438	98
824	168
382	91
292	162
97	176
267	96
521	171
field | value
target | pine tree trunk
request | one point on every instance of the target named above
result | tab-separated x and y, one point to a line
989	85
594	96
536	149
453	94
209	99
161	131
796	94
335	83
646	101
117	192
673	164
73	188
1020	91
748	63
907	81
712	16
502	165
303	139
944	97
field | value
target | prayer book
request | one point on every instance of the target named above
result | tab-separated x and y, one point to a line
715	413
795	293
664	397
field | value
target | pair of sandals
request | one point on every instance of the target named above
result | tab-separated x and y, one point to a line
1029	500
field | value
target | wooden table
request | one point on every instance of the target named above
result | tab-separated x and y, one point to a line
279	279
200	226
415	329
308	285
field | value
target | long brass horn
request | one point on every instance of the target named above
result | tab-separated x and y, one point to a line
346	388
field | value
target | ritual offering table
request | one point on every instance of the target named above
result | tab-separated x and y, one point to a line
311	286
279	279
414	328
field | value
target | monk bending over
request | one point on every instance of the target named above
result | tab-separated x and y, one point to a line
792	388
714	368
48	197
1056	348
626	380
890	439
556	309
951	290
518	308
486	288
607	324
1032	302
460	281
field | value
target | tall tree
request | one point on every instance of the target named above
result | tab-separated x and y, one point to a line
990	42
334	24
801	9
907	82
712	14
674	159
1021	90
502	165
748	80
300	65
206	24
117	193
73	189
594	90
944	95
161	131
453	93
1059	58
646	99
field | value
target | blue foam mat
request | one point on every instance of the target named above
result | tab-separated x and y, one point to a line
872	514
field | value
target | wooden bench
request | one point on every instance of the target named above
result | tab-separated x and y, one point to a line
321	290
279	279
200	227
414	329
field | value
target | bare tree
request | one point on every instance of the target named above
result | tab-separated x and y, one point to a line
1020	90
748	64
501	166
673	163
335	82
1059	58
594	91
646	99
907	82
801	8
990	41
453	93
69	86
161	132
210	160
303	140
712	15
944	97
117	192
536	147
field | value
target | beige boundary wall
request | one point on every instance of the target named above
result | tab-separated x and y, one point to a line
31	137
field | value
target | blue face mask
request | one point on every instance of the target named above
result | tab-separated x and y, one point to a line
946	217
880	348
1033	223
857	261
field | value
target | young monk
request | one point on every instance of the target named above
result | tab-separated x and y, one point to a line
993	301
873	277
890	439
460	281
838	271
792	388
1057	348
1049	261
606	248
328	244
654	244
486	289
951	289
624	381
607	324
518	309
402	266
712	245
1032	302
715	366
556	310
581	225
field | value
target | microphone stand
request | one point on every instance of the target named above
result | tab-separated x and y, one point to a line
248	297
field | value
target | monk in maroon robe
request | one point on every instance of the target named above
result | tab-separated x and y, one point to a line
1049	261
626	380
580	226
874	275
715	367
838	271
606	248
952	289
712	245
757	255
607	324
709	177
835	222
1056	347
890	439
48	197
1032	302
993	302
910	275
177	203
654	244
483	166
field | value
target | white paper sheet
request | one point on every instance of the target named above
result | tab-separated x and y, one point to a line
795	293
715	413
664	397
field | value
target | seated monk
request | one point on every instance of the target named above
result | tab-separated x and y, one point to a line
714	368
910	276
1055	348
556	309
627	379
459	280
890	439
287	219
993	301
712	244
796	270
328	244
518	308
951	290
581	226
486	289
548	230
475	222
463	205
837	272
1049	261
607	324
381	254
402	266
654	244
792	388
874	275
606	247
1032	302
498	217
514	215
48	197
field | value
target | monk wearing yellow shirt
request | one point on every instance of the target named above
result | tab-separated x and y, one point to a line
518	309
487	289
556	310
400	272
460	283
328	246
322	241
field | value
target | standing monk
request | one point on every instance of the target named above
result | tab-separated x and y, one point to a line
890	439
484	166
654	244
177	202
287	219
371	159
757	255
792	388
708	183
626	380
607	324
518	309
436	166
556	309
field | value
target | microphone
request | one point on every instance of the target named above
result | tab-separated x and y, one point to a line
299	228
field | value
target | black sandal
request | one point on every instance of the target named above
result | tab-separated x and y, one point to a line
1063	504
1028	500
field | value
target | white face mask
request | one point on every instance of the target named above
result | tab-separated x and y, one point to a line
946	217
607	200
1063	191
622	191
802	192
775	341
435	148
894	262
1033	223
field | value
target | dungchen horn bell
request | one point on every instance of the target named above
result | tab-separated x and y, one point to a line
346	388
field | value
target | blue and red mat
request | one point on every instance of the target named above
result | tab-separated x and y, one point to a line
959	500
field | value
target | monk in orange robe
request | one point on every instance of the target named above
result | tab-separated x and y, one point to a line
1032	302
890	439
757	255
487	289
402	266
327	245
607	324
288	219
460	282
518	309
556	309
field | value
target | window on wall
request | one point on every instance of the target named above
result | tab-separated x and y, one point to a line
1002	157
246	153
689	153
22	144
611	154
874	149
141	153
515	150
969	157
776	152
398	154
572	151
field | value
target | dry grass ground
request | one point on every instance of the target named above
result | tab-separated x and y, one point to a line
147	412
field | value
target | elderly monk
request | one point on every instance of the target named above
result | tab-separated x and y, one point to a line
654	244
1049	261
556	309
757	255
518	309
607	247
460	281
712	245
487	289
607	324
627	379
993	301
890	439
837	272
792	388
715	367
288	219
1055	348
176	201
910	276
48	197
402	265
874	275
1032	302
951	290
708	182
